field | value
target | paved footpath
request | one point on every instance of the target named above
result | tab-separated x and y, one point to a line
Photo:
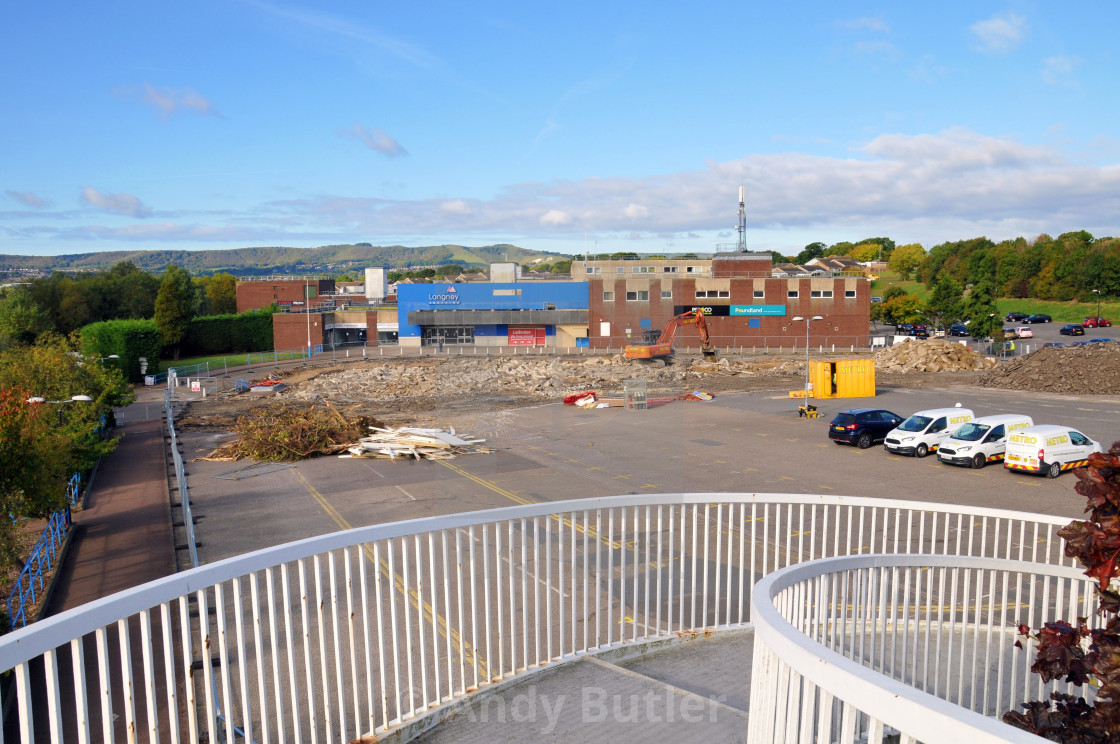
123	537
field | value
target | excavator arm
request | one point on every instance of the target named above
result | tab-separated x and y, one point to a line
663	347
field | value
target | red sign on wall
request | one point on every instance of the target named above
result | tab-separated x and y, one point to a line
526	336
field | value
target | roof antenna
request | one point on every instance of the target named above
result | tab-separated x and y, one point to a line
742	226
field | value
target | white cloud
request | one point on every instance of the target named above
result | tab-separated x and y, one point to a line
456	206
1059	70
376	140
28	199
873	24
878	49
169	102
125	204
555	218
999	34
636	211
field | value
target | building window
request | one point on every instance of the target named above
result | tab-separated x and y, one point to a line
641	295
821	293
792	294
694	270
666	294
620	270
760	294
646	270
608	296
849	293
594	269
712	293
669	269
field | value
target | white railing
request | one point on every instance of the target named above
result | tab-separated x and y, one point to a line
921	648
370	630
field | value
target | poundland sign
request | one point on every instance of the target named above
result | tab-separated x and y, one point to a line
757	310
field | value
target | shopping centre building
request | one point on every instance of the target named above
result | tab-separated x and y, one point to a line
606	304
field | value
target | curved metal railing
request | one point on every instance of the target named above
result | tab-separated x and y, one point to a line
369	630
918	647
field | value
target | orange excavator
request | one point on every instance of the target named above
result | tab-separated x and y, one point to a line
662	347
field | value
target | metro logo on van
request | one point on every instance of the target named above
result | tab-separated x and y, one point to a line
1061	439
960	419
1023	439
1020	425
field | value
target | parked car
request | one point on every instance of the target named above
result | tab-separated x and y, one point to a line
1048	449
906	329
1038	318
958	329
862	426
1097	322
1016	317
1009	334
1052	343
1024	332
1072	329
1101	340
921	332
876	299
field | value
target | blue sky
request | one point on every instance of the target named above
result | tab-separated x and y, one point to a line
553	126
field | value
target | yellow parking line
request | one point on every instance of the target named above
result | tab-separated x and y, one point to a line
417	601
522	500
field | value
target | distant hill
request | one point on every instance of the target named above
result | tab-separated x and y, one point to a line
254	261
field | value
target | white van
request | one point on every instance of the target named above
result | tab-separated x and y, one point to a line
1048	449
924	432
984	440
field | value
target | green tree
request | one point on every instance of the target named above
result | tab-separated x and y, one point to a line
980	307
21	318
906	258
944	303
174	307
221	291
866	252
906	308
811	251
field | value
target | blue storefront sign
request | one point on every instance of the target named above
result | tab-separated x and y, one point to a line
757	310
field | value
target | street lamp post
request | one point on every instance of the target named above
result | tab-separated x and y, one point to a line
808	322
1098	293
60	403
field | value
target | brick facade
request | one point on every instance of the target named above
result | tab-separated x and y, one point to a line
253	295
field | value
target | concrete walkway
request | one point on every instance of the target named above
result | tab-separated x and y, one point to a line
698	690
123	535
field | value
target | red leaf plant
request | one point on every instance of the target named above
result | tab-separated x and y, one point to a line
1076	653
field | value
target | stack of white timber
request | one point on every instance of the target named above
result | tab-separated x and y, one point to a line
434	444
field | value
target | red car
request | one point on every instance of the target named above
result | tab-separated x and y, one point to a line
1097	322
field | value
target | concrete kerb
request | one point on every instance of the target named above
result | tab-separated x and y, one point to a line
617	653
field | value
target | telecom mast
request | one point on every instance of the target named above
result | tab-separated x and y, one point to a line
742	227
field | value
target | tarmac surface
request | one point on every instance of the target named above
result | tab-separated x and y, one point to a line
122	536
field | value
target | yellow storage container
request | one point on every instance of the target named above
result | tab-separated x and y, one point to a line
842	378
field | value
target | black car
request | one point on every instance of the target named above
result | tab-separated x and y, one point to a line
1037	318
921	332
958	329
1016	317
1072	329
862	426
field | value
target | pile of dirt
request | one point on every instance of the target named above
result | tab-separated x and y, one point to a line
931	355
1073	370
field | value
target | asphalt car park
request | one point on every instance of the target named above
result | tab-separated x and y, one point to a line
739	442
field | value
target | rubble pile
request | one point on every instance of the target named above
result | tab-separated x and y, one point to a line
930	355
1076	370
549	378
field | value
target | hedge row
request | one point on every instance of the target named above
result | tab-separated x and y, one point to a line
227	334
128	339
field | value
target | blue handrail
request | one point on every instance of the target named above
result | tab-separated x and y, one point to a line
43	559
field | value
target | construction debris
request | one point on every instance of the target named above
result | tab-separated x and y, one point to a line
286	433
931	355
1093	369
433	444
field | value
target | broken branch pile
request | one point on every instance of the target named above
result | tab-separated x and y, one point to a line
433	444
286	433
